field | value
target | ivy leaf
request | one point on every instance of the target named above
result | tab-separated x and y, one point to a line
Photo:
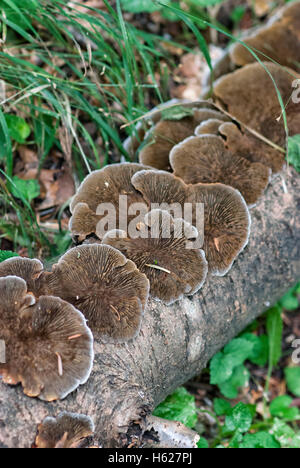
18	128
202	443
281	407
240	419
28	189
292	375
294	151
222	407
239	379
259	440
260	352
275	330
180	406
6	254
287	437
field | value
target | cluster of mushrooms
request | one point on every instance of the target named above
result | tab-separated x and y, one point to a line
219	153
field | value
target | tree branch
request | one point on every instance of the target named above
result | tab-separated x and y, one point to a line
175	342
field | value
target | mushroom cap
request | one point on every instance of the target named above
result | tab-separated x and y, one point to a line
226	225
133	143
279	40
68	430
49	349
106	287
31	271
162	254
250	96
167	133
101	187
159	187
204	159
245	144
209	127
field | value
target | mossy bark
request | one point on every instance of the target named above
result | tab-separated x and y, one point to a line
176	342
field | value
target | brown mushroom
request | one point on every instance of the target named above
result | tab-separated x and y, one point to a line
49	349
163	254
226	214
278	40
250	96
103	188
209	127
106	287
136	141
68	430
226	225
160	187
29	270
243	143
204	159
167	133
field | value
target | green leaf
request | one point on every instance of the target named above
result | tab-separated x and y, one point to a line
222	407
176	113
292	375
18	129
275	330
280	407
6	254
28	189
202	443
240	419
287	437
290	301
260	352
140	6
259	440
224	363
239	379
180	406
294	151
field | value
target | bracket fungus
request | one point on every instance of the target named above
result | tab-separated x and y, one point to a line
68	430
48	347
177	125
227	224
278	40
226	215
31	271
250	96
204	159
100	191
161	252
106	287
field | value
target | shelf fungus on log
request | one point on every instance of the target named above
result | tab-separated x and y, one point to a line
48	347
165	251
226	222
106	287
250	96
31	271
205	159
68	430
278	40
100	192
175	126
176	108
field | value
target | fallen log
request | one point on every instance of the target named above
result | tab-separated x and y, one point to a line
175	342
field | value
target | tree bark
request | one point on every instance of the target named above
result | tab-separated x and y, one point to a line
175	342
